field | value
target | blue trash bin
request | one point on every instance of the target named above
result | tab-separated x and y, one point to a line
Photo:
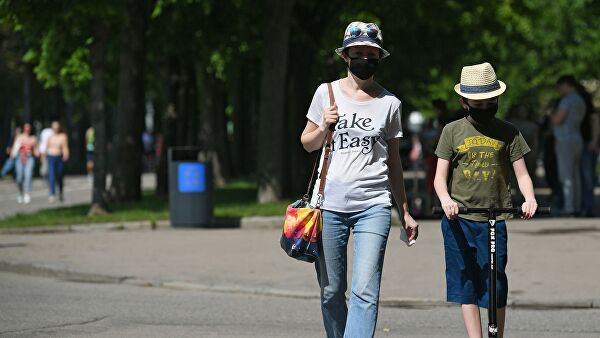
190	188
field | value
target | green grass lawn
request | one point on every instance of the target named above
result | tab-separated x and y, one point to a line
237	199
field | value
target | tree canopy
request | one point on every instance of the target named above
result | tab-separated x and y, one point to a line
236	77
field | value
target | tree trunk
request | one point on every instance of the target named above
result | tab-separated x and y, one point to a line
181	104
27	84
219	127
169	125
209	137
72	131
298	162
239	139
191	138
272	100
98	117
128	167
6	132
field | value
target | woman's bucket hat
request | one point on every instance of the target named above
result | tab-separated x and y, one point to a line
479	82
363	34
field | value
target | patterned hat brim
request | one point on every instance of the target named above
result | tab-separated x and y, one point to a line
363	43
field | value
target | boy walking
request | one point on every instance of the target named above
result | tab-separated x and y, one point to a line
475	156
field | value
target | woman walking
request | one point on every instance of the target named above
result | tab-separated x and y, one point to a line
27	143
57	153
11	151
364	171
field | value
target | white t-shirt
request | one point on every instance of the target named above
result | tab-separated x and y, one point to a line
357	178
44	136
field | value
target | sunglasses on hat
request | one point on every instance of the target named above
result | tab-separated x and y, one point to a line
370	31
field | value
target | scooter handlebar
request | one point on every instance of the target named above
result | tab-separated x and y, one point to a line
518	211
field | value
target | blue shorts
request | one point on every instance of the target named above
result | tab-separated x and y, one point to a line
467	266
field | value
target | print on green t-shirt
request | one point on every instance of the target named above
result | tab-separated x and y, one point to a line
481	162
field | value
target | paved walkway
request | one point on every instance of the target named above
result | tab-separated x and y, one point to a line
78	190
553	262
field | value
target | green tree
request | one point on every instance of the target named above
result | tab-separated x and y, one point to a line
73	60
272	99
127	177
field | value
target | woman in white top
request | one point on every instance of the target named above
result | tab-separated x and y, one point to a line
364	171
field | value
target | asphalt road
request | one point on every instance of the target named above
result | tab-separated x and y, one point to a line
44	307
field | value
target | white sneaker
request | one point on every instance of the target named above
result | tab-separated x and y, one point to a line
52	199
26	199
20	199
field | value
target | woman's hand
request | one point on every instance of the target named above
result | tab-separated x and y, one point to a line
450	208
411	226
313	134
330	116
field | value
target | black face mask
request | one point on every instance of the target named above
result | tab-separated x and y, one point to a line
363	68
483	115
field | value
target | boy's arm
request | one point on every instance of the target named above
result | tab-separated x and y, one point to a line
396	176
526	186
441	188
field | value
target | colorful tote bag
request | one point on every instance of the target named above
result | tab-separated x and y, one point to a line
303	222
302	231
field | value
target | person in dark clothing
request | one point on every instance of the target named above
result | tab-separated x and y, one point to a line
590	134
549	156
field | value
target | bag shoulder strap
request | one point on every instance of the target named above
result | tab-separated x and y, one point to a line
325	164
327	155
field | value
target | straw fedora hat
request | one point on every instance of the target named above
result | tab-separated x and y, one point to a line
479	82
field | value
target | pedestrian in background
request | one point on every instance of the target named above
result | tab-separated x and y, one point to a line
590	132
443	115
548	148
89	152
148	146
27	151
431	136
44	136
58	154
520	116
566	121
364	171
11	152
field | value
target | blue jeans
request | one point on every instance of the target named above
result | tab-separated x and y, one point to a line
55	173
588	180
370	229
568	157
24	173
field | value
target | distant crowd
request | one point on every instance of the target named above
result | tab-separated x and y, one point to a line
52	149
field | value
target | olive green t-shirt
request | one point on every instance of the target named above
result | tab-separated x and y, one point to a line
480	163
